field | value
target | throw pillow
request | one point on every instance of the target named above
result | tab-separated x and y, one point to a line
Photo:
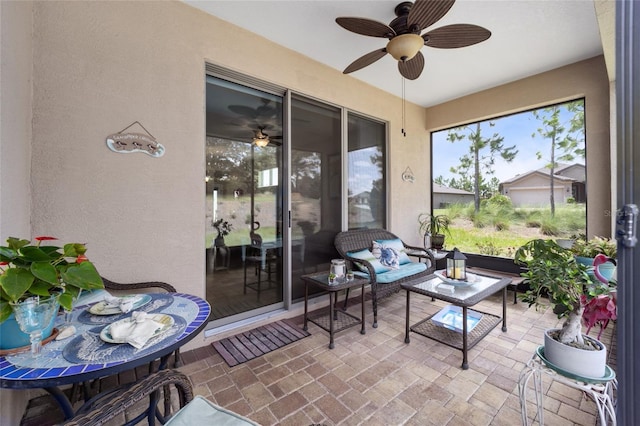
386	255
398	246
368	256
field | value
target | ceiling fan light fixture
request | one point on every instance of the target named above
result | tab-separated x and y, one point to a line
405	46
261	142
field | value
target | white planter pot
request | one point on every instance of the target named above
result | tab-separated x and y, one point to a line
573	360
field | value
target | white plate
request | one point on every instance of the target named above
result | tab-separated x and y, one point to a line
101	308
471	279
165	320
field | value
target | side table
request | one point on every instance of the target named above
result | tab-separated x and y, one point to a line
602	390
334	320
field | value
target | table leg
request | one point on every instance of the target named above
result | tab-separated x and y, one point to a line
331	308
362	331
62	401
306	297
406	328
504	309
465	363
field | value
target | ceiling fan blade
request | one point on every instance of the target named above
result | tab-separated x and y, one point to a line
366	27
244	110
456	35
365	60
425	13
412	68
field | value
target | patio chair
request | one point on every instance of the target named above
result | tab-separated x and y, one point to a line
192	410
260	258
349	243
125	400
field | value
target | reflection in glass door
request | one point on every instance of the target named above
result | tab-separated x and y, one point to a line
244	233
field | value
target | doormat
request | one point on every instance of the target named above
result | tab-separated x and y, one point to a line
251	344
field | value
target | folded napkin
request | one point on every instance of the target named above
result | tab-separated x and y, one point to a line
136	330
124	303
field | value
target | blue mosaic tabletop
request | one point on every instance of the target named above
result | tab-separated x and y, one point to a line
85	352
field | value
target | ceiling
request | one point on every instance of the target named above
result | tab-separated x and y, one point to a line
528	37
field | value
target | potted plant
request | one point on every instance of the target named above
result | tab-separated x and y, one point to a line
34	270
224	228
433	227
590	248
554	271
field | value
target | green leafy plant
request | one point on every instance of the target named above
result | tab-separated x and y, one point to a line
28	270
434	224
553	271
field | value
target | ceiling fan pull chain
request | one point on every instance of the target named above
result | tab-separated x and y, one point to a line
404	133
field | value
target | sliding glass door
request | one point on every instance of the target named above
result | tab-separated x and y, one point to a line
284	174
244	192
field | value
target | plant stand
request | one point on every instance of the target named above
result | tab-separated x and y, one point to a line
602	391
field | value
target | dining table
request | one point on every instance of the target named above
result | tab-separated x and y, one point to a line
92	353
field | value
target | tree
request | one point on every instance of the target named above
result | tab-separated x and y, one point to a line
567	142
479	161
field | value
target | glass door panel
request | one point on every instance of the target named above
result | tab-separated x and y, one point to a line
316	187
367	164
244	233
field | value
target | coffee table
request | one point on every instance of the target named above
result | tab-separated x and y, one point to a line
334	320
464	297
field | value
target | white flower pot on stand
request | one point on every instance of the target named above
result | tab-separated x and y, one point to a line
580	362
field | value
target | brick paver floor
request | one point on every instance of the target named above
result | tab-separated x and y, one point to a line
377	379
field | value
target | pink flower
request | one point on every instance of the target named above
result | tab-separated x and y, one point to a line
599	310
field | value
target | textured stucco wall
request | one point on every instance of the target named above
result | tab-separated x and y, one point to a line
15	119
16	25
586	79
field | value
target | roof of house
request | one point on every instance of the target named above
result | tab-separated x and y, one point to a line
545	171
440	189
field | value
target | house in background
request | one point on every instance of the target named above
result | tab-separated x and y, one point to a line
532	188
443	196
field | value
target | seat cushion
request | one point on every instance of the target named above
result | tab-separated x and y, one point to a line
405	270
201	411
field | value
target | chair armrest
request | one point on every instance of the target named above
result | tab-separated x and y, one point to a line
423	252
368	265
112	285
119	402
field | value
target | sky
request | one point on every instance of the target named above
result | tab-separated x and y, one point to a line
516	129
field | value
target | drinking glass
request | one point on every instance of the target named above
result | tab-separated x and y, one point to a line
34	315
68	314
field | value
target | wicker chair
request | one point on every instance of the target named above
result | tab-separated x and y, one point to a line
352	241
115	405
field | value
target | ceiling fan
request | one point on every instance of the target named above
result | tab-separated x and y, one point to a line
261	139
404	36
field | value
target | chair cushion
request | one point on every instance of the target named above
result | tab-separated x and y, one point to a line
405	270
201	411
368	256
398	246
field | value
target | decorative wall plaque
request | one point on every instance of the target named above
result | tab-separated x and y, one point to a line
407	175
126	143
